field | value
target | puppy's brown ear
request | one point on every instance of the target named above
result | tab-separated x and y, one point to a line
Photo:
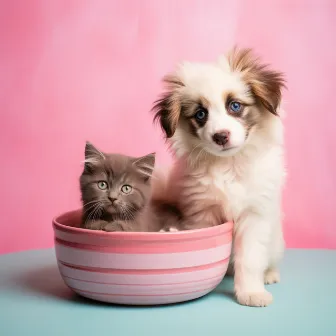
265	84
167	109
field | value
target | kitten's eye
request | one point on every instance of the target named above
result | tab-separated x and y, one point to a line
126	189
102	185
201	114
235	106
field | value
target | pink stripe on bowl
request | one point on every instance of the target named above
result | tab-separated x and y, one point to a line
141	267
145	276
126	246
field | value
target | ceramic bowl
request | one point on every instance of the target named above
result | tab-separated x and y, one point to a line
141	268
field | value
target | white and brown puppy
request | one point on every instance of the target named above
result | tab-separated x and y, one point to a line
222	123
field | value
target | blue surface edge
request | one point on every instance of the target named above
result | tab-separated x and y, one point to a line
35	301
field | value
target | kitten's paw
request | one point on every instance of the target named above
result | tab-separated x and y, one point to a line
259	299
271	276
94	225
113	227
169	229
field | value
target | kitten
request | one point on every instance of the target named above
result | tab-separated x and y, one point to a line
116	194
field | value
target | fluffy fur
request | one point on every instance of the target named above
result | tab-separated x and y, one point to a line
222	123
117	194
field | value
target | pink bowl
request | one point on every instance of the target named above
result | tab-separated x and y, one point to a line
141	268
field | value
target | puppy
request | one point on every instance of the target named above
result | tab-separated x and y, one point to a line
222	122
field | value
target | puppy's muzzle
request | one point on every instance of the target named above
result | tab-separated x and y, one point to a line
221	138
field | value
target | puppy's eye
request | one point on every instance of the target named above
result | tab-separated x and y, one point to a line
201	113
102	185
235	106
126	189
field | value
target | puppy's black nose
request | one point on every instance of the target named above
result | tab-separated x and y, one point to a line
221	138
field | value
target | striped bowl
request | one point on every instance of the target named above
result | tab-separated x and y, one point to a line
141	268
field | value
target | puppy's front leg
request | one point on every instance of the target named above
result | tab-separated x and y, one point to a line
251	241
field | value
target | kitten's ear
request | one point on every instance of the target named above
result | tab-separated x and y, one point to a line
145	165
92	156
91	151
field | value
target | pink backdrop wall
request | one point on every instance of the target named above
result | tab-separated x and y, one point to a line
77	70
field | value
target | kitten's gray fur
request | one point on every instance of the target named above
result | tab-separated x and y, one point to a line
110	208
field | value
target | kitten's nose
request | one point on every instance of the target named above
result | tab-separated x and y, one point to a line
112	199
221	138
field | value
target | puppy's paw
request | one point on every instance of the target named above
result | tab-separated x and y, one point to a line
173	229
271	276
259	299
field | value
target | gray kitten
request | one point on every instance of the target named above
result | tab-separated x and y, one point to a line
116	194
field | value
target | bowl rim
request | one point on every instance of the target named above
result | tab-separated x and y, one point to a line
224	228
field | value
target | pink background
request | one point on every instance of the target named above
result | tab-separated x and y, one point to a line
77	70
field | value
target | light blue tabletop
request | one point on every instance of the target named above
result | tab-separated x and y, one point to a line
35	301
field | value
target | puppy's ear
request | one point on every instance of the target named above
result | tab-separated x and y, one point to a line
167	109
265	84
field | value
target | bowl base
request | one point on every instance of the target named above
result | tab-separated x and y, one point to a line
144	300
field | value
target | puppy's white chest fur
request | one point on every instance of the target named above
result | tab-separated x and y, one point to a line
233	187
246	184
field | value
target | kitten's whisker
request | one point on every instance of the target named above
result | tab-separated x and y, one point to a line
90	207
91	202
86	208
123	211
130	213
95	212
126	213
93	208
